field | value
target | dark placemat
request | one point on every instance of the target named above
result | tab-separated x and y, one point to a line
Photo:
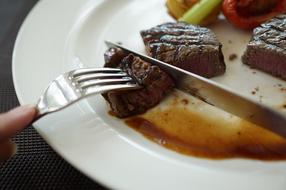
36	165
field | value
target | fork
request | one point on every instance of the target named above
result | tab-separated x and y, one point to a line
75	85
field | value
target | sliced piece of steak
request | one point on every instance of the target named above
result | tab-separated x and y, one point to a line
193	48
156	84
267	48
113	57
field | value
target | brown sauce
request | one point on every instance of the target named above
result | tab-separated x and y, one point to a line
191	132
232	57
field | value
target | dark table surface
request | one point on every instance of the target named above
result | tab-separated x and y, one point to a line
36	165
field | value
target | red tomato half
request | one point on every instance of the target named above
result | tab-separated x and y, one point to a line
249	20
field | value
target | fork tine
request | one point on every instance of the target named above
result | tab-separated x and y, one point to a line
75	85
109	81
84	71
112	87
102	75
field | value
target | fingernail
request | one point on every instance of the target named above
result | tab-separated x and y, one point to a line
22	109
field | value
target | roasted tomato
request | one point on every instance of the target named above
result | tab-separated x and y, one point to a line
248	14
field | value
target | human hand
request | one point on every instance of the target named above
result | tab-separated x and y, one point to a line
11	123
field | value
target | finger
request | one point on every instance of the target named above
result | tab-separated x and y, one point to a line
7	149
15	120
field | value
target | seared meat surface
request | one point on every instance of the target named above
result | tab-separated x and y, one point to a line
267	48
113	57
193	48
156	84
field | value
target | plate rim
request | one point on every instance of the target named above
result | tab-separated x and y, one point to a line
19	37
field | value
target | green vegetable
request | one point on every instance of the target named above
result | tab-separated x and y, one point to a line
199	11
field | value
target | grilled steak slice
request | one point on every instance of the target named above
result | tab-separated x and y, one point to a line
267	48
156	84
193	48
113	56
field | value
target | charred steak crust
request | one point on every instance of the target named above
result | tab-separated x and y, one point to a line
156	84
190	47
267	48
113	56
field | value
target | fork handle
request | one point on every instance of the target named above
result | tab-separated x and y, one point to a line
38	115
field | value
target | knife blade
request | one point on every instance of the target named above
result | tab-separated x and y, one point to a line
218	95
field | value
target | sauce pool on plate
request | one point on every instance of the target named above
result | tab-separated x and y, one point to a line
192	127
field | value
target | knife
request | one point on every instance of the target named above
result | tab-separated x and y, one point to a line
218	95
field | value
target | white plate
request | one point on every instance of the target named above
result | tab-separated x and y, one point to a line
62	35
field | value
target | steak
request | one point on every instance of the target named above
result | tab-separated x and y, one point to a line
267	48
113	57
190	47
155	82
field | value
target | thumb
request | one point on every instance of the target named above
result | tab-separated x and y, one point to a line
15	120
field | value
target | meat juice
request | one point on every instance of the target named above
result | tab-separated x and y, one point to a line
190	126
